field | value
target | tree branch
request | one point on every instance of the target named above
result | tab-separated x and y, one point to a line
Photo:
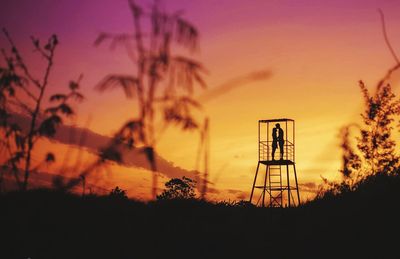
386	37
20	63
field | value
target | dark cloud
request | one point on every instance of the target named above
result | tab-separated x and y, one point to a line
308	187
241	196
92	142
232	191
213	190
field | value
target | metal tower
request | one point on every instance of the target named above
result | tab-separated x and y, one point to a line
276	149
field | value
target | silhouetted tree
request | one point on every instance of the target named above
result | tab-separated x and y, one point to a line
163	81
118	193
22	94
376	143
375	149
178	189
375	152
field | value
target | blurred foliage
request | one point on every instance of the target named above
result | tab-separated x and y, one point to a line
162	84
21	96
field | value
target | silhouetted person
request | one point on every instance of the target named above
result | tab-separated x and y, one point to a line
280	139
274	142
277	138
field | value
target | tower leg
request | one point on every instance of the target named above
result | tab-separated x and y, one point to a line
297	186
288	184
265	185
281	190
254	183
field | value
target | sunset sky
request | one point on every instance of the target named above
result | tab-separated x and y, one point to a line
316	51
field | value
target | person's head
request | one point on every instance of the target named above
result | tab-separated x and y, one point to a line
277	125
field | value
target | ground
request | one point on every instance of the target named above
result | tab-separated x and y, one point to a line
52	224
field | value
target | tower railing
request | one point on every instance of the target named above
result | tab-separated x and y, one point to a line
265	154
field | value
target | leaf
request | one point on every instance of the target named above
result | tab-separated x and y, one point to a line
200	80
50	157
181	117
111	153
186	33
189	124
186	100
48	126
122	39
73	85
102	36
188	71
66	109
58	97
52	110
54	39
116	39
179	112
134	125
189	63
128	84
131	133
35	42
136	9
19	141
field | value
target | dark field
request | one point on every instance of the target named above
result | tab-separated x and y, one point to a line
49	224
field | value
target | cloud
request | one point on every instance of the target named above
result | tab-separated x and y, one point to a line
240	195
92	142
232	191
308	187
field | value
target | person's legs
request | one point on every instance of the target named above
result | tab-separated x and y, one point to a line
273	152
274	147
281	148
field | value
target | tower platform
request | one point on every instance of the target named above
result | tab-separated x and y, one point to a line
277	162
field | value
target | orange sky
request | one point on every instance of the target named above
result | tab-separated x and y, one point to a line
316	51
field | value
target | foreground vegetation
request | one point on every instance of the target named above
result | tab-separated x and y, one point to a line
351	224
